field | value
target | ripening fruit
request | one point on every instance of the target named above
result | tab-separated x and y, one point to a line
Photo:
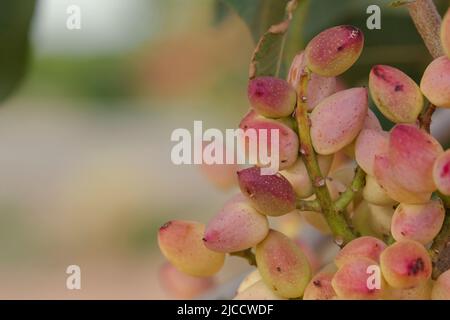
368	144
271	195
366	247
289	224
182	286
375	194
238	226
271	97
288	140
181	243
353	280
372	121
384	176
441	288
318	87
249	280
421	292
298	176
435	82
338	119
283	266
412	153
405	264
420	222
381	219
445	33
441	173
395	94
361	220
258	291
319	288
316	220
310	252
344	175
334	51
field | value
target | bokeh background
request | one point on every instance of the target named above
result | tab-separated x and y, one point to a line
85	170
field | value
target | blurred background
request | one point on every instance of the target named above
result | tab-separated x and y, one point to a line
86	117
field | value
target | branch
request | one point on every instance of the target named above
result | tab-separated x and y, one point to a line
358	183
246	254
425	118
428	22
440	249
337	223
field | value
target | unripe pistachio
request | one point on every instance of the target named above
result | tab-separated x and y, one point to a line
182	286
335	50
412	153
317	220
441	288
368	144
381	219
271	195
384	176
338	119
298	176
418	222
395	94
258	291
249	280
372	122
271	97
238	226
283	266
441	173
181	243
344	175
318	87
288	139
361	220
351	280
366	247
319	288
445	33
421	292
289	224
406	264
435	82
375	194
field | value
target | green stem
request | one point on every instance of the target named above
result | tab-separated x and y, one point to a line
358	183
246	254
338	225
311	205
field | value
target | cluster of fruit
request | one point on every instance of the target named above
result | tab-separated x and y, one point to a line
392	205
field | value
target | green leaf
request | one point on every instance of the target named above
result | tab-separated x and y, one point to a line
267	58
269	54
15	20
259	15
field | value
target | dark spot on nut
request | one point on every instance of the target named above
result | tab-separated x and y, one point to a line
415	267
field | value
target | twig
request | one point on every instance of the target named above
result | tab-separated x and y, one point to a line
425	118
336	221
428	22
357	184
246	254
